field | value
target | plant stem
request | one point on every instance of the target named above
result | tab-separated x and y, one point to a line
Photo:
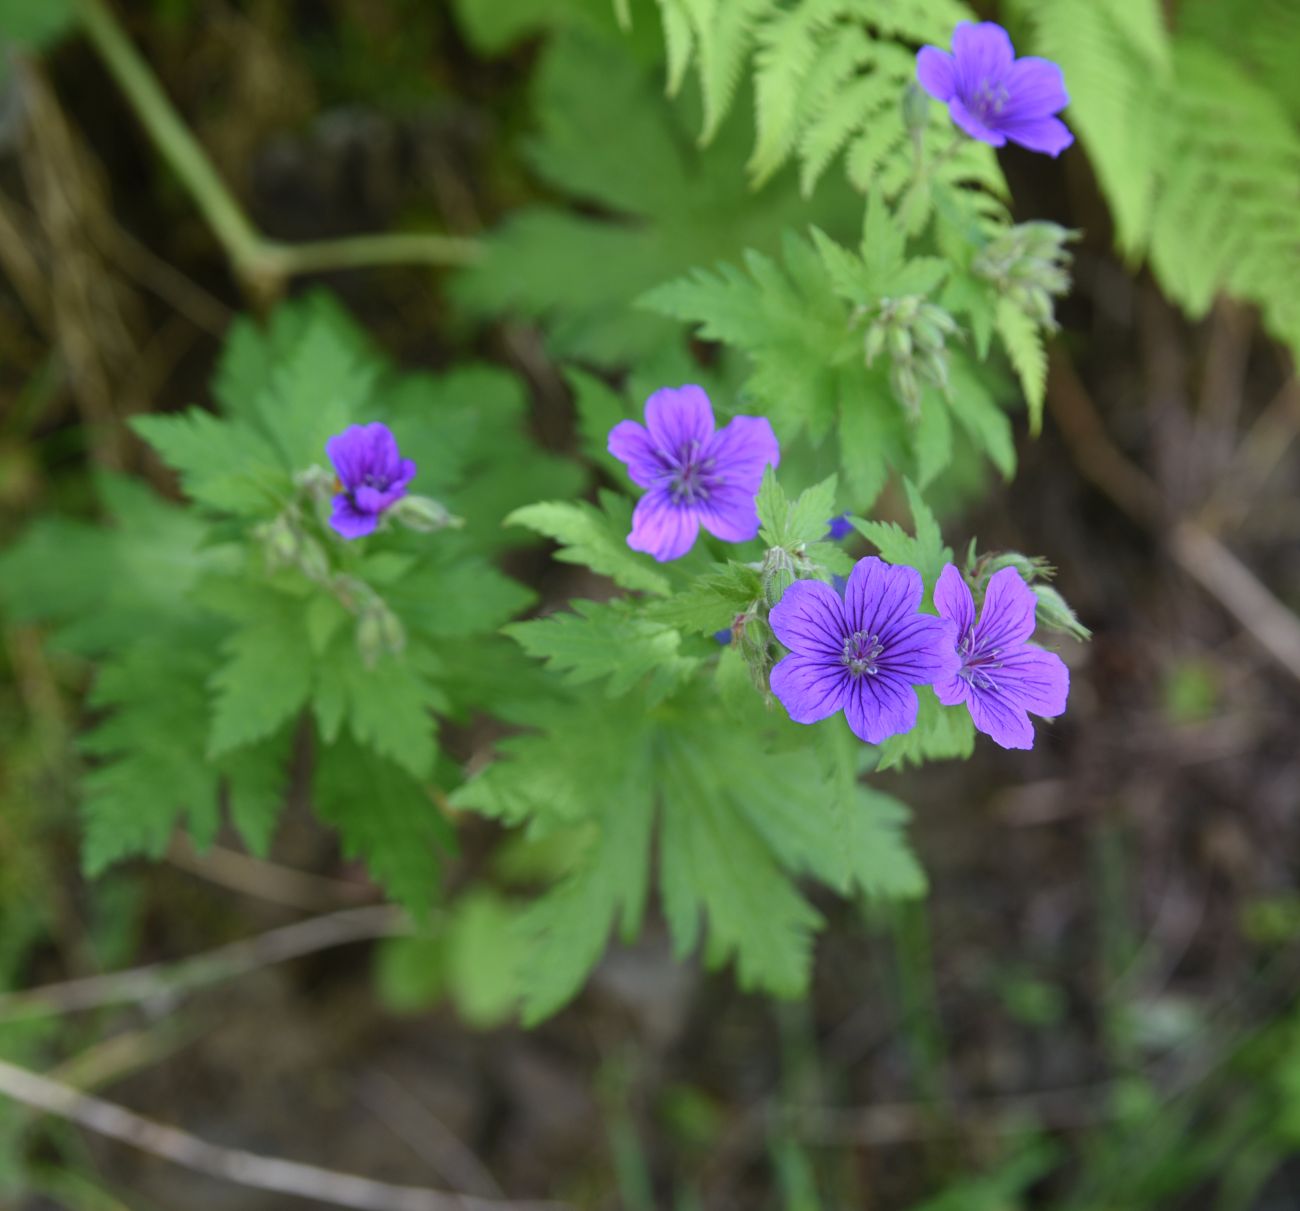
260	262
354	252
170	135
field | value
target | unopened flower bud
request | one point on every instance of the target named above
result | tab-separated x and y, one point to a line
379	633
778	574
873	344
928	335
902	378
1054	613
280	541
906	309
316	481
756	648
935	366
916	109
312	560
1030	567
424	514
933	314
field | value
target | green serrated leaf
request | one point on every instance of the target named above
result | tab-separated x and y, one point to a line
387	708
384	817
791	525
600	408
257	780
223	464
609	137
594	537
265	679
146	772
941	733
316	391
1023	341
924	551
606	640
712	601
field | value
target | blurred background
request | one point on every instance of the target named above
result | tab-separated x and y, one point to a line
1094	1010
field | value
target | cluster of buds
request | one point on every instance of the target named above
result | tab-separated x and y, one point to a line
1030	266
914	333
753	638
1052	612
287	544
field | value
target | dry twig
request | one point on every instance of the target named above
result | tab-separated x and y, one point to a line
233	1164
1196	551
267	881
164	980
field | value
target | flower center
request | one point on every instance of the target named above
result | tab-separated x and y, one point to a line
378	482
989	100
691	481
976	663
861	652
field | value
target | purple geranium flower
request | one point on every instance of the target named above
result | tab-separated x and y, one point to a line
697	476
1001	676
372	473
992	95
838	527
861	654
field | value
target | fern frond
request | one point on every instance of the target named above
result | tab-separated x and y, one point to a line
1113	56
829	75
788	47
724	32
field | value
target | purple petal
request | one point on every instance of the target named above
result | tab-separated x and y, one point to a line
809	689
953	600
972	125
631	444
1035	89
729	514
347	451
676	417
809	619
952	690
406	473
1007	617
742	449
369	500
348	521
936	73
385	461
920	649
879	706
661	528
998	717
983	54
372	500
1035	680
1048	135
878	594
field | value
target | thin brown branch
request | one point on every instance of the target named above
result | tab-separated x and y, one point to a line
1217	570
1273	627
170	980
267	881
233	1164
